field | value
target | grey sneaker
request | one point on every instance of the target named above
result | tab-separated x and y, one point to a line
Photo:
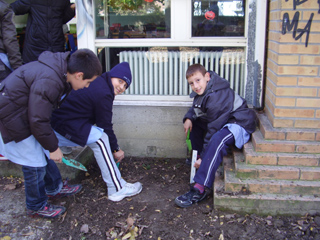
130	189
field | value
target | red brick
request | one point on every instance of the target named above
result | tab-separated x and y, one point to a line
294	113
307	123
288	173
294	70
265	188
308	102
308	148
309	81
301	136
298	160
296	92
283	123
310	174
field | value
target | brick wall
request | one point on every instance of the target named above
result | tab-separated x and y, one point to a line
293	65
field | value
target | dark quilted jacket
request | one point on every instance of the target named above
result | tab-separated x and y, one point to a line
28	97
8	36
44	26
220	105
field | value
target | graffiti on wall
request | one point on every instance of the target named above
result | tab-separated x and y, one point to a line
288	25
297	3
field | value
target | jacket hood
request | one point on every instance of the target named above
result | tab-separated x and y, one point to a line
106	76
216	83
56	61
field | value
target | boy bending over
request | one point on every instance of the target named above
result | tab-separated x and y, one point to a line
218	119
27	97
85	118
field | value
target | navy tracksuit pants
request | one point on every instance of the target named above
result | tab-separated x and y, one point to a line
213	154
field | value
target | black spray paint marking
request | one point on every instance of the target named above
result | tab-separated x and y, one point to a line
287	25
298	2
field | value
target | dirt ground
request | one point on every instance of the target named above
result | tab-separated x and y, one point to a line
150	215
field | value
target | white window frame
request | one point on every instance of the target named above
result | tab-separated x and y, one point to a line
181	35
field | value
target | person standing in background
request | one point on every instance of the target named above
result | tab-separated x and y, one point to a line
44	31
10	57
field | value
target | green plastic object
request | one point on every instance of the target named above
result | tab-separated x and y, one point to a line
74	163
188	141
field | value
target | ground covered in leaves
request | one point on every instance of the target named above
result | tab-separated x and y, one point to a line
150	215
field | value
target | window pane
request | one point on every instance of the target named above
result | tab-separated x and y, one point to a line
132	18
161	70
218	18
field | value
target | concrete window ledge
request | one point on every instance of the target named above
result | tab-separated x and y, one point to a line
160	101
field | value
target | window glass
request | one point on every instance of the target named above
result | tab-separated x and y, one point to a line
218	18
161	70
132	18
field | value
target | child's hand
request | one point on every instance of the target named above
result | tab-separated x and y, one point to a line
118	156
197	163
56	155
187	125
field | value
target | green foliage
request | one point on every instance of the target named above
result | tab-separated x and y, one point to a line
131	7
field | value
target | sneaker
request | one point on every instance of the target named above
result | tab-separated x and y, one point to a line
67	190
66	150
191	197
49	211
130	189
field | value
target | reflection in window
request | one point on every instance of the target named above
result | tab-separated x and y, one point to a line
132	18
218	18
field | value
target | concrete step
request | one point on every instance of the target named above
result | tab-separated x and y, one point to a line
283	146
282	159
290	134
268	186
267	204
246	171
264	196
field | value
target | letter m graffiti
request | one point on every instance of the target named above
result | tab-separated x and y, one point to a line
288	26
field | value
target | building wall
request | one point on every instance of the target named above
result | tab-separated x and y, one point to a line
293	60
150	131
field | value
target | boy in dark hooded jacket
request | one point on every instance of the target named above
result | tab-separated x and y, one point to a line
218	119
85	118
27	97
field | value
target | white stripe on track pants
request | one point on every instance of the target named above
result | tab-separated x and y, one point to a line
109	170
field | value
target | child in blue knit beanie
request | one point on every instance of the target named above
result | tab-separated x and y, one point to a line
85	118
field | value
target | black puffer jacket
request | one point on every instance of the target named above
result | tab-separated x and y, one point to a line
28	97
8	36
220	105
44	26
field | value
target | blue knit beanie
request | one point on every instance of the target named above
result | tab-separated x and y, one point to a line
122	70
